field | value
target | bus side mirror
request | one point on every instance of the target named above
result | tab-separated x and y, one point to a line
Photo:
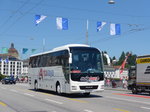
70	58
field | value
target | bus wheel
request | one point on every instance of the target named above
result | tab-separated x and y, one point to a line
58	89
36	86
86	94
134	90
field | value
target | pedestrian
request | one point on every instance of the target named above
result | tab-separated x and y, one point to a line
124	83
114	84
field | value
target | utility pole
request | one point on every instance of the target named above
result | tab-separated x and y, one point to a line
43	44
87	27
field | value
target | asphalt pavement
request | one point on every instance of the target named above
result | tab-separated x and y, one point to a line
20	98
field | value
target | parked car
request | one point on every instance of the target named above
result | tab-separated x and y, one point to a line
8	80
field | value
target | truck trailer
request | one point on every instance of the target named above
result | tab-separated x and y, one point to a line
139	76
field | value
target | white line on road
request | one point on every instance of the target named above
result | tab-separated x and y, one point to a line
86	110
53	101
3	88
14	90
146	108
28	94
129	100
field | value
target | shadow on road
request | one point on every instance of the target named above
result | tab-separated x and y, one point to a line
68	95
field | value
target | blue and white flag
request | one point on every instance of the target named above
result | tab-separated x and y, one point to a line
39	18
115	29
100	25
24	50
62	23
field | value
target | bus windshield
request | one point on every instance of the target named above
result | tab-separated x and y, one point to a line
86	60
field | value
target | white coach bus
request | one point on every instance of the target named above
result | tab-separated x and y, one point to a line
73	68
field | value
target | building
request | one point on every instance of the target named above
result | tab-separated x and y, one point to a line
12	51
114	72
25	67
123	75
11	66
9	62
109	71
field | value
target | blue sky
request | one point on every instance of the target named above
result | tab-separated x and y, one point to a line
18	25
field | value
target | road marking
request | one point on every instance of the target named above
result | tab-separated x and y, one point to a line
28	94
3	104
135	101
146	108
81	101
120	110
140	96
14	90
46	94
86	110
53	101
3	87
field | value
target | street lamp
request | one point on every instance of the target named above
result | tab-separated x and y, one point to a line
111	2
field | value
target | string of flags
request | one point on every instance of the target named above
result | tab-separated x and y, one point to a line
62	24
4	50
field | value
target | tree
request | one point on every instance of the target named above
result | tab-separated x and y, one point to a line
121	59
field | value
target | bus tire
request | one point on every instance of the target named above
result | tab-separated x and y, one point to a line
58	89
35	85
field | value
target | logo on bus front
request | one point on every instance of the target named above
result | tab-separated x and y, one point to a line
43	73
89	79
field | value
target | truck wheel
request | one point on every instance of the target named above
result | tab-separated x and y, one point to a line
134	90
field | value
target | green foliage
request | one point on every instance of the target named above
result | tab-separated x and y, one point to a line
2	76
131	61
122	58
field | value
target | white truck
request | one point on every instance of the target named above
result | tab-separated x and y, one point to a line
139	81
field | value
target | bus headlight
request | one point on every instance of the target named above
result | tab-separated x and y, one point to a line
74	87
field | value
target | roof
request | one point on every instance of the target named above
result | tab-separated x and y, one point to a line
144	56
10	57
65	47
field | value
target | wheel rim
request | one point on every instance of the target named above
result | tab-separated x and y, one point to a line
134	90
35	86
58	89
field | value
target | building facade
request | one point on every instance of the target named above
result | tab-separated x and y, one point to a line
11	67
114	72
10	64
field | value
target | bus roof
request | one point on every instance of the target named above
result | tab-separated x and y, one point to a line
61	48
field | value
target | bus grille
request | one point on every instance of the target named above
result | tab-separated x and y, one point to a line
88	87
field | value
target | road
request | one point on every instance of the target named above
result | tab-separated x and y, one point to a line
20	98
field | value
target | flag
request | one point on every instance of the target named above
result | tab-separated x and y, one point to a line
39	18
62	23
123	64
115	29
24	50
4	50
33	50
100	25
